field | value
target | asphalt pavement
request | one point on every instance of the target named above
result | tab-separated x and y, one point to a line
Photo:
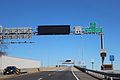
67	73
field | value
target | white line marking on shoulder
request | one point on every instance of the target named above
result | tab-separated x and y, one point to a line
75	75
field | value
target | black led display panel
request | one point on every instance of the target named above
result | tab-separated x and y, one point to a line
53	29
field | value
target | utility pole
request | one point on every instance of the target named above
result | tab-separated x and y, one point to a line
82	58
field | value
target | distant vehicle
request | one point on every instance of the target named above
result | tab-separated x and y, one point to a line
68	61
11	70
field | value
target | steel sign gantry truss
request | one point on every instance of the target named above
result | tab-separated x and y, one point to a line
93	29
28	32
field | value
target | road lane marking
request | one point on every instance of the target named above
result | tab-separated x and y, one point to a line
62	69
40	78
49	74
75	75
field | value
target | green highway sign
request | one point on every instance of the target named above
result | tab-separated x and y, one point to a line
92	25
93	28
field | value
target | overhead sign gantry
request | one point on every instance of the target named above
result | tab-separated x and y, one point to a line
27	33
78	30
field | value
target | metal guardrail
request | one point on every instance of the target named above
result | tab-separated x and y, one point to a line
105	74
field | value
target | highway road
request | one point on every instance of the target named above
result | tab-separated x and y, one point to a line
67	73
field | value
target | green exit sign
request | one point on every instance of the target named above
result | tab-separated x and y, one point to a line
92	25
93	30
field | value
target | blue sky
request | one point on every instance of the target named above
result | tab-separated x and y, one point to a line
50	49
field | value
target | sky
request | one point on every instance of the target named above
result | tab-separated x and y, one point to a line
51	49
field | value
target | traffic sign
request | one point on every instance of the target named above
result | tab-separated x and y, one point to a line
93	29
111	57
53	29
92	25
78	30
16	33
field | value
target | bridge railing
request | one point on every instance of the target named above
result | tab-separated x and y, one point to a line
104	75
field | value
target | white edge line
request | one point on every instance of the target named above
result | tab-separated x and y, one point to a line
74	75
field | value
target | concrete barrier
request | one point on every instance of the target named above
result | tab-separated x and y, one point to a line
31	71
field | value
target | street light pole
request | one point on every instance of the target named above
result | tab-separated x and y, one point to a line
82	58
92	61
